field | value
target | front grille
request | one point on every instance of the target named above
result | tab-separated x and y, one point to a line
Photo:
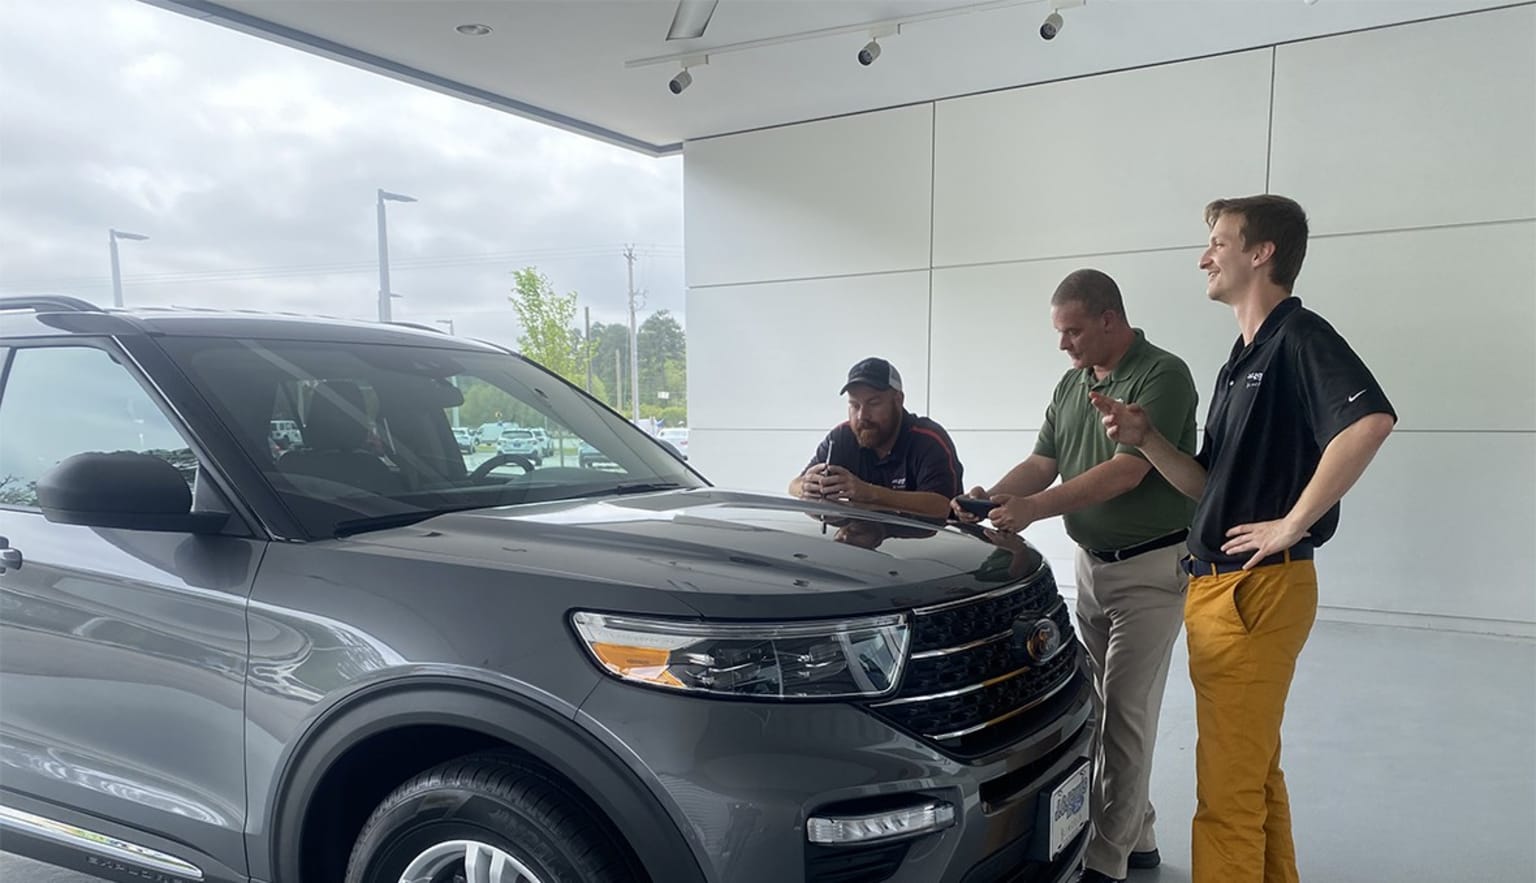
968	676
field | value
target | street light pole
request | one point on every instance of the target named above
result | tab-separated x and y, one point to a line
454	379
117	274
384	291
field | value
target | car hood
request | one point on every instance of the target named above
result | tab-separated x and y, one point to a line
727	554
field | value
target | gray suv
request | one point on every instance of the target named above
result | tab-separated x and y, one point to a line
373	657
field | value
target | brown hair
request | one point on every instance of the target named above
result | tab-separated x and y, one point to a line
1094	289
1269	218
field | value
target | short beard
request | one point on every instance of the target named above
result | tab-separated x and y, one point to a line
875	438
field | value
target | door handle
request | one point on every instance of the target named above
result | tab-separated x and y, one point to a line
10	559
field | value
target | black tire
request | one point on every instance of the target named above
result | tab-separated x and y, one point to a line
499	800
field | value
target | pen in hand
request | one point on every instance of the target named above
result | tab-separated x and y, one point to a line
825	467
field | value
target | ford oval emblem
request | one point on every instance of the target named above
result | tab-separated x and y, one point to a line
1043	640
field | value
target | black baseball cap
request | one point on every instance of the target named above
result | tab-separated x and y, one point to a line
874	372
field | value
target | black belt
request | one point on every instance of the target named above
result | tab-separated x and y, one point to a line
1200	567
1162	542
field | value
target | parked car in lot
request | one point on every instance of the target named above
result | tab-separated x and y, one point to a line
546	445
465	439
286	433
677	437
589	457
220	662
520	443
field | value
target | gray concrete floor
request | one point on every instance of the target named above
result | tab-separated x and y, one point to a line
1410	756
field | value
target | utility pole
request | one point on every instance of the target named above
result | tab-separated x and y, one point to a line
586	346
634	338
618	383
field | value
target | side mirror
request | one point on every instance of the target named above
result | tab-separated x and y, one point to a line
124	490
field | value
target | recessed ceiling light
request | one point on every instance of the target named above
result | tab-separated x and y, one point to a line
473	30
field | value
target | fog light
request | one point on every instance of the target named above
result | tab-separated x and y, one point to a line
892	825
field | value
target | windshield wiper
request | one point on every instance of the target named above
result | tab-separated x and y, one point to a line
394	519
627	487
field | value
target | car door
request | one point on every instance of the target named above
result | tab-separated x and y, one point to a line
122	652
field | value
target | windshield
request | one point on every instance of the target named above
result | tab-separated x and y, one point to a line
368	430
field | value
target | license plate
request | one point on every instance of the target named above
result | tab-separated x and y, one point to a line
1069	810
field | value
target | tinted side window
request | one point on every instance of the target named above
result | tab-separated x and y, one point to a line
62	401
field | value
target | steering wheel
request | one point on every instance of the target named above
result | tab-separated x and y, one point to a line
484	469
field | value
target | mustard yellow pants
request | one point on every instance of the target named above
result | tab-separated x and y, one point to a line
1245	630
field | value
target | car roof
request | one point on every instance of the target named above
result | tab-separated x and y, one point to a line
60	316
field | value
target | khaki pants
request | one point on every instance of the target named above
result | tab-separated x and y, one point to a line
1245	631
1128	616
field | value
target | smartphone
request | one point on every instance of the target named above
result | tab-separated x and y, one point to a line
976	506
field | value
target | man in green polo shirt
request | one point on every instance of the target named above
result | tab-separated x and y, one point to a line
1130	526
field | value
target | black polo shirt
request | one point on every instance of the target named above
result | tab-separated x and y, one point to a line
1278	403
923	458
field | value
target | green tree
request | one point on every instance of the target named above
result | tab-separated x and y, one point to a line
548	322
663	368
606	341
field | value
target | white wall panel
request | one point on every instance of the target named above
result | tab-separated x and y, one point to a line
1446	319
1440	524
775	355
1003	313
1424	124
828	198
1109	163
1413	149
753	461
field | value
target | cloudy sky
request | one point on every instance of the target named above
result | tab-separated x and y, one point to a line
252	168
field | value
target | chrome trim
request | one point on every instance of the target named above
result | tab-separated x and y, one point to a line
986	596
950	694
990	639
86	840
961	648
944	737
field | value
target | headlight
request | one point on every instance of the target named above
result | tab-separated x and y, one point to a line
802	660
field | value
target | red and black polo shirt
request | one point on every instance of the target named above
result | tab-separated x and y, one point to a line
923	458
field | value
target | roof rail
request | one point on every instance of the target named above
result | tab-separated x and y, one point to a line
418	326
49	303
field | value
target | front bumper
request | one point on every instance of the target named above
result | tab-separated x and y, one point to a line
740	780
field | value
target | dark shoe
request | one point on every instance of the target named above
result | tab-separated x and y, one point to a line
1092	876
1144	860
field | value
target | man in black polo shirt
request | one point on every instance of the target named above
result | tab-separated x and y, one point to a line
883	455
1295	419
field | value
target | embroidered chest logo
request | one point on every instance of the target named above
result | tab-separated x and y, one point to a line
899	484
1253	379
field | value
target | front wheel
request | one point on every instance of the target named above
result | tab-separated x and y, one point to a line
487	818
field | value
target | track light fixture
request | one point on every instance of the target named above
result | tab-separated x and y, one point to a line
684	79
871	50
1054	22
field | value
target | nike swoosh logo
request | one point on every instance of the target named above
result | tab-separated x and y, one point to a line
1358	394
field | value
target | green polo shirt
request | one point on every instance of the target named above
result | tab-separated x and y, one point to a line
1073	435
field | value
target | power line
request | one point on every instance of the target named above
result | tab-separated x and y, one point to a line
298	270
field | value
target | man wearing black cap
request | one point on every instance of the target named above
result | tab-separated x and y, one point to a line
883	455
